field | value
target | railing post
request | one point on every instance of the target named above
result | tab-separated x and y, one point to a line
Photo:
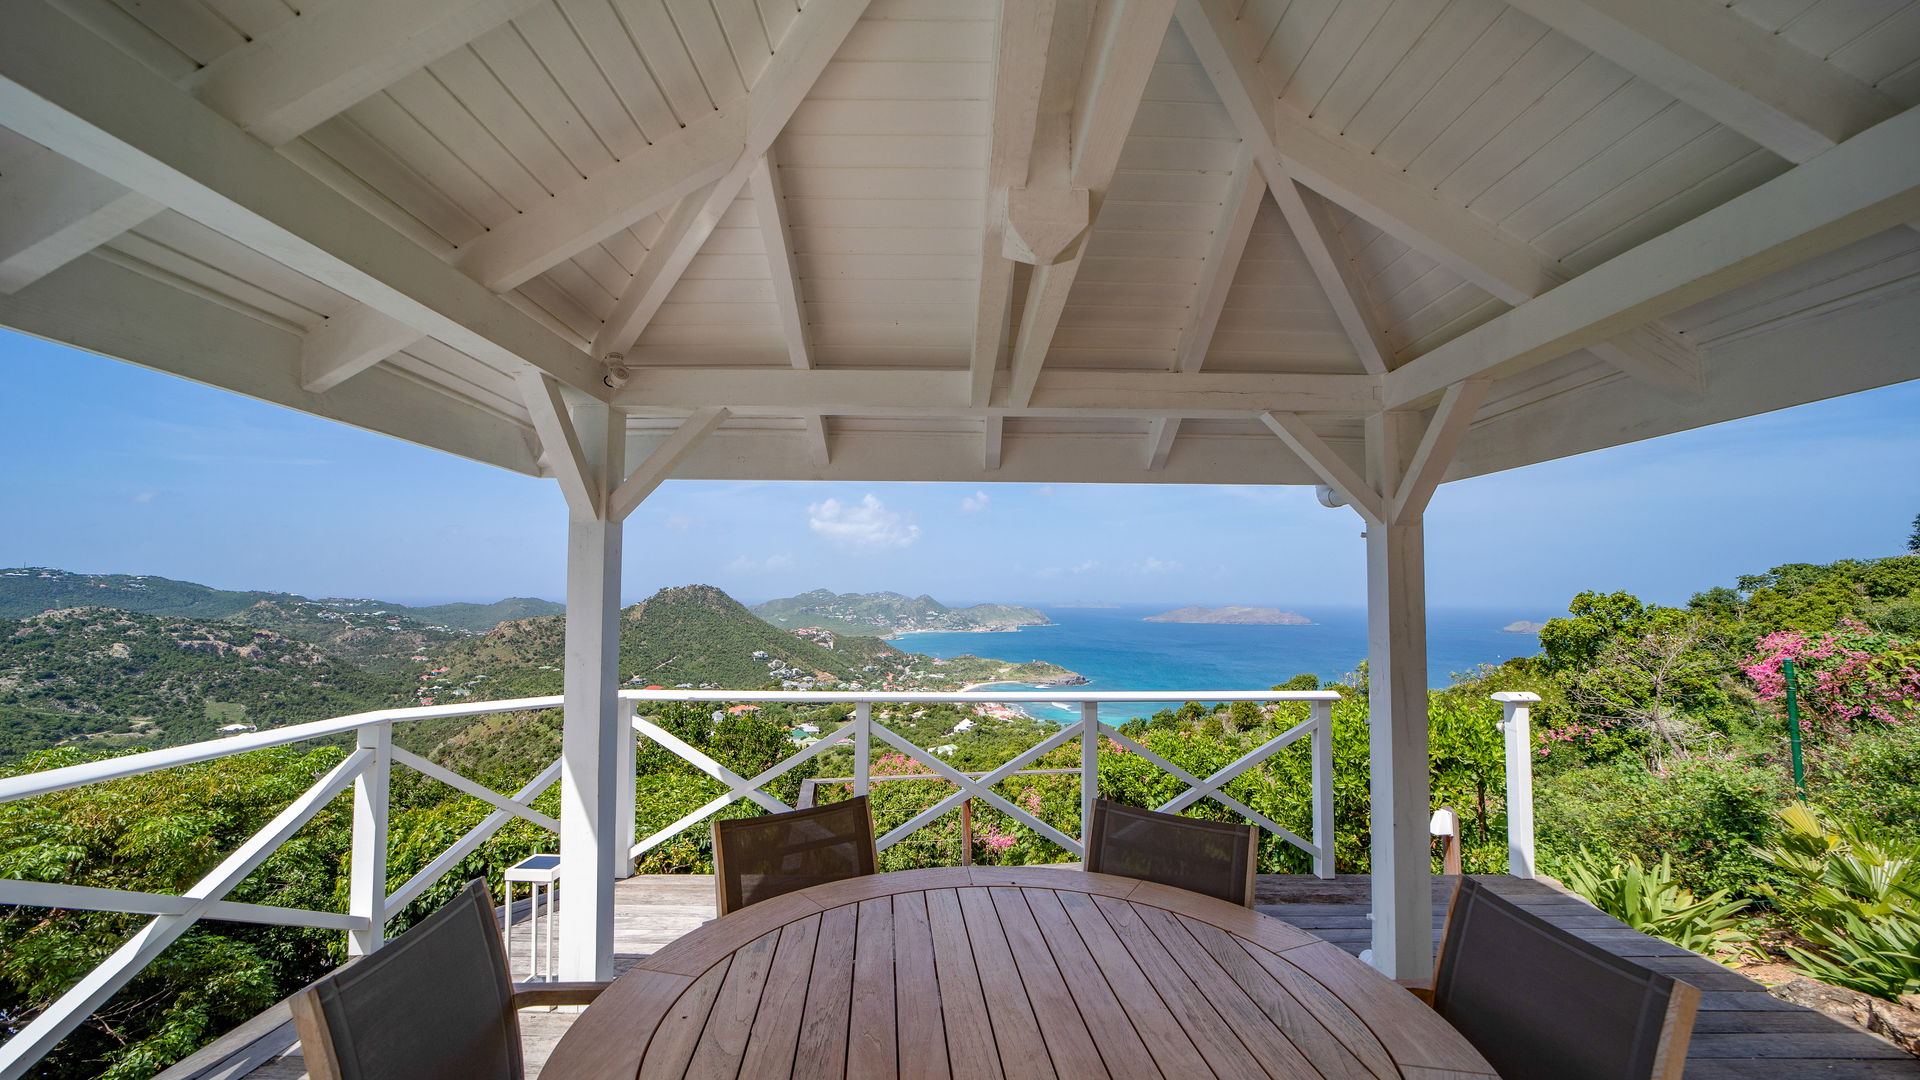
623	799
862	745
1517	726
1089	769
367	872
1320	746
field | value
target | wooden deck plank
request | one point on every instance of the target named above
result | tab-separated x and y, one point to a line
822	1050
1067	1038
1015	1029
970	1047
872	1048
916	988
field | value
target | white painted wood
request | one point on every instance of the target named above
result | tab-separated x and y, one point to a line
981	789
591	756
811	41
992	442
1401	869
1326	463
24	893
1516	730
1759	84
367	865
53	211
471	840
737	786
862	747
1866	185
1089	770
348	344
1446	430
819	440
311	68
33	1039
1342	282
678	164
1229	242
662	461
560	443
72	92
486	795
1323	810
1126	39
1161	432
770	206
625	800
1653	355
1023	40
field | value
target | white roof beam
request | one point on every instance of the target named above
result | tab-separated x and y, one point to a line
1025	35
75	93
993	434
1288	144
810	42
1791	102
1122	51
662	461
1332	469
1445	432
1222	262
769	205
307	70
1161	431
1865	185
348	344
819	441
560	445
1340	280
52	211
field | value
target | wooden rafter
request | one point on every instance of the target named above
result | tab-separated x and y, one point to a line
348	344
992	442
769	205
1340	280
660	464
1441	441
1125	47
1161	432
819	440
56	211
1244	193
1335	471
803	54
560	444
1867	184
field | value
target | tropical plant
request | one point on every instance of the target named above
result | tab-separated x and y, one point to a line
1879	957
1652	902
1851	895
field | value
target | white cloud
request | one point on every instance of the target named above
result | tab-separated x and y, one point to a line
975	502
1151	565
145	496
686	523
870	526
744	565
1045	489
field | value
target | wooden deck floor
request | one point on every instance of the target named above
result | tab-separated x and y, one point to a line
1741	1030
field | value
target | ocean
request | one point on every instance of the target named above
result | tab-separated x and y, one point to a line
1116	650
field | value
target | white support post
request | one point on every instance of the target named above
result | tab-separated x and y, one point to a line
1517	726
623	824
1089	770
367	872
862	746
596	724
1320	745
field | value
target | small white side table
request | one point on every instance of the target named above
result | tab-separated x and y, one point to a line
542	875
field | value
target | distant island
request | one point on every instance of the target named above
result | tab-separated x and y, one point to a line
1093	605
1232	616
1523	627
887	614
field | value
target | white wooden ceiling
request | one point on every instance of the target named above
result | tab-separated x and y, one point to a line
1315	209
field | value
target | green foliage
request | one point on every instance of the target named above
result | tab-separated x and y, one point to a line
1651	901
882	613
1853	896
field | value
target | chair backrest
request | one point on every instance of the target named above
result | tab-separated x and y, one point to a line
1538	1002
435	1003
1212	857
759	858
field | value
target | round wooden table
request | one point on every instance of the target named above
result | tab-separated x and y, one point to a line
1018	972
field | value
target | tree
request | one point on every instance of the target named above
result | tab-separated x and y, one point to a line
1913	538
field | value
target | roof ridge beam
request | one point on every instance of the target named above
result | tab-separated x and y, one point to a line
1759	84
75	93
809	45
1127	44
1865	185
309	69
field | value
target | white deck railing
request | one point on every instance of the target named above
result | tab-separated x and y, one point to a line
368	769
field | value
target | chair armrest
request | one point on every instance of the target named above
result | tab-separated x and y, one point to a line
1420	988
534	995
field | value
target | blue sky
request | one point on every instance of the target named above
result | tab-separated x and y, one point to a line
113	468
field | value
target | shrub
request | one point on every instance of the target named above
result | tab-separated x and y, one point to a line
1853	896
1652	902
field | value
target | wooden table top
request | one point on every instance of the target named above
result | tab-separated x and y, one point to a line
1019	972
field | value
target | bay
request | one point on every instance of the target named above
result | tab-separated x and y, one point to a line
1116	650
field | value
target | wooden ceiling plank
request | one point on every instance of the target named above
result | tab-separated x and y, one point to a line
810	42
309	69
1229	242
75	93
1865	185
770	206
348	344
1707	55
1335	470
660	464
1125	46
53	211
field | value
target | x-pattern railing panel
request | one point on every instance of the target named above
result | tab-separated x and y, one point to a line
982	788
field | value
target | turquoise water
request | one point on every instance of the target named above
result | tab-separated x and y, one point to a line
1115	650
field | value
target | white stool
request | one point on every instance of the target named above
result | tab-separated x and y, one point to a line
542	874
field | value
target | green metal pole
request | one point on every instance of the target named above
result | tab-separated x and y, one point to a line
1793	729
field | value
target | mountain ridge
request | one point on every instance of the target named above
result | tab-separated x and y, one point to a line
885	614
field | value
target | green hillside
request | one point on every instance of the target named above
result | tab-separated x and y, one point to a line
480	618
884	613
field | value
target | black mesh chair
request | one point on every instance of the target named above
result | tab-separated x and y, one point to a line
1211	857
435	1003
759	858
1542	1004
